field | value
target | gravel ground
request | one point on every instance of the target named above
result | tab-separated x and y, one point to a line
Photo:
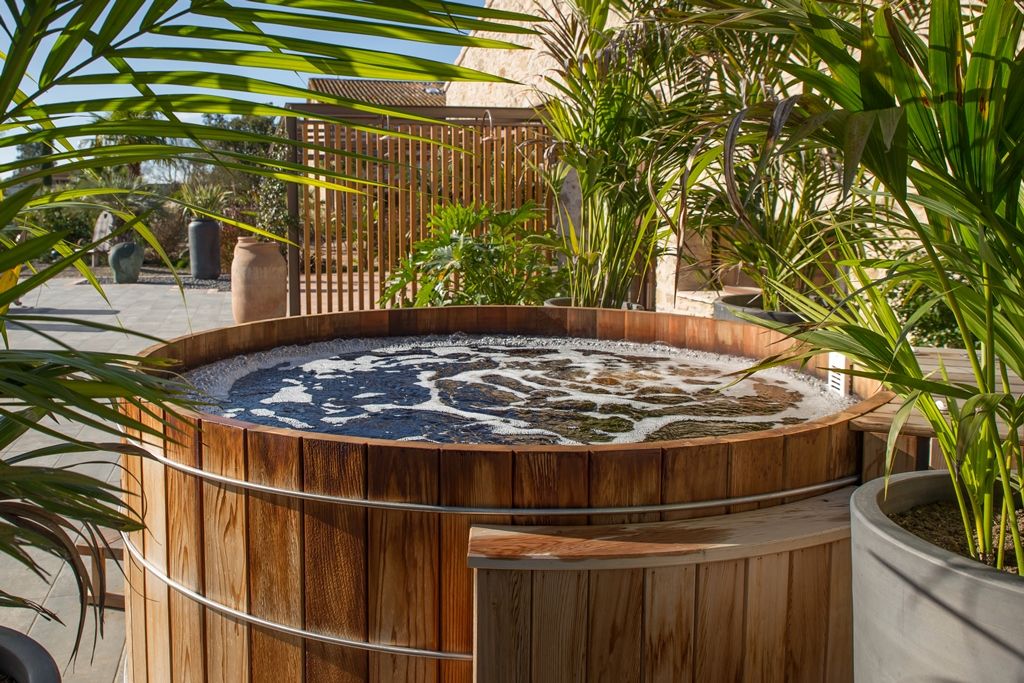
161	276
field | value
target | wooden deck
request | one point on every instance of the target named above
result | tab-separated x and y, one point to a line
916	449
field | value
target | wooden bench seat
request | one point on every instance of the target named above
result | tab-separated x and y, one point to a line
756	595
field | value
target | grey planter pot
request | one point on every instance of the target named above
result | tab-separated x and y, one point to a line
921	613
25	660
726	308
204	249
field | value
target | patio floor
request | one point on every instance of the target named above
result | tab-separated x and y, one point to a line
159	310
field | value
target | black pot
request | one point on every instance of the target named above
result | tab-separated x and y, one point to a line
727	307
25	660
922	613
204	249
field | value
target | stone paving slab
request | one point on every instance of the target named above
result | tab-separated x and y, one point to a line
161	311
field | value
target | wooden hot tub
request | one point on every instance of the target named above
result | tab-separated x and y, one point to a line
287	556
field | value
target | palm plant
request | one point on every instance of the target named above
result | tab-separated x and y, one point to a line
55	50
609	89
936	121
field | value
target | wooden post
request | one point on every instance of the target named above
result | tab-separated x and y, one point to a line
294	306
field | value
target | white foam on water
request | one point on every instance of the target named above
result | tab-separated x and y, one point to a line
502	387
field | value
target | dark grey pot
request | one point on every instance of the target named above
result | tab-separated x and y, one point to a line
921	613
204	249
726	308
25	660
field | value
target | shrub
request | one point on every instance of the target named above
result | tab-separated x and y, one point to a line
476	255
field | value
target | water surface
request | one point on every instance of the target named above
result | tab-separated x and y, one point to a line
515	389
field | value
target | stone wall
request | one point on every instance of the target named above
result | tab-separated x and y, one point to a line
526	66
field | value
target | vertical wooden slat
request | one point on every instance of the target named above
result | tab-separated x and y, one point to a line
669	605
625	477
558	642
615	634
335	558
509	143
275	551
318	228
765	637
403	562
805	458
807	617
719	623
391	223
351	202
184	552
158	647
488	163
135	591
479	478
330	227
304	127
361	229
698	470
755	466
541	480
839	657
376	219
502	615
226	559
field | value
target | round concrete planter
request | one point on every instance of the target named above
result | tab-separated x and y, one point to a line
25	660
921	613
729	306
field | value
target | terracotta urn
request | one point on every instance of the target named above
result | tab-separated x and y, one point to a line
259	277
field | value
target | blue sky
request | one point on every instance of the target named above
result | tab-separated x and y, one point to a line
442	53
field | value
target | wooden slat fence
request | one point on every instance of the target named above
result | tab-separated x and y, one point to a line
352	241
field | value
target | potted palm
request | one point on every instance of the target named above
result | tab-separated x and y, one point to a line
604	96
935	119
201	205
778	232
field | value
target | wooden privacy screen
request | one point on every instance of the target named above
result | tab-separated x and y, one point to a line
352	241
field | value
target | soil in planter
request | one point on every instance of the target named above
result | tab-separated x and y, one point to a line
940	524
4	678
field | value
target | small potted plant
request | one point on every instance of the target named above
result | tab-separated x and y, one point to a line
200	205
767	227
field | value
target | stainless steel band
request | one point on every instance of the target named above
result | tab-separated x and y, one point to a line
495	512
284	628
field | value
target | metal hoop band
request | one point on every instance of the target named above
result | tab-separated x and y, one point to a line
284	628
823	487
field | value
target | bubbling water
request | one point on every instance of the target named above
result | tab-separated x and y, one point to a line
508	390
